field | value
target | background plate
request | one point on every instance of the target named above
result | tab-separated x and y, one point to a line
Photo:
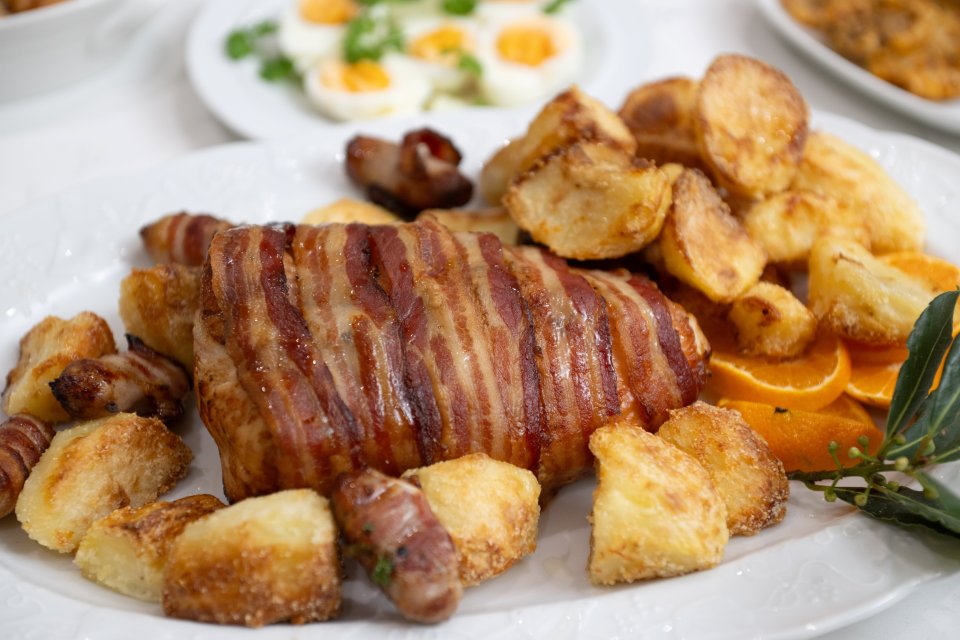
257	109
942	115
823	567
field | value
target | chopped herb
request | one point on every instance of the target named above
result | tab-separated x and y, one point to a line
368	528
554	6
383	571
369	38
922	430
239	44
780	410
459	7
470	64
280	68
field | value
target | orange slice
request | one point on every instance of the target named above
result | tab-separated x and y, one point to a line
874	371
808	382
936	272
801	439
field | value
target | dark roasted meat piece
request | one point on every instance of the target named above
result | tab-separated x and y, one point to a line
419	173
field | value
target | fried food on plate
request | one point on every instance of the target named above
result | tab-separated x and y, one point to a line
751	125
660	115
493	220
489	508
704	245
786	224
256	562
158	306
182	237
656	512
348	210
96	467
861	297
127	550
45	351
771	321
836	168
748	477
590	200
572	116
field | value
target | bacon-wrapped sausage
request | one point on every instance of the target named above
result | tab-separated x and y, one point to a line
23	439
390	529
321	350
181	238
419	173
140	381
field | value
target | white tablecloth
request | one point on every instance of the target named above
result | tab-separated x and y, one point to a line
143	112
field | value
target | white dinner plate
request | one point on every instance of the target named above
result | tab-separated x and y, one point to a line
823	567
262	110
942	115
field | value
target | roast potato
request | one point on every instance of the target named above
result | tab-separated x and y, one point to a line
836	168
862	298
158	305
259	561
490	509
656	512
127	550
660	115
572	116
771	321
45	350
749	478
786	224
704	245
346	210
751	125
96	467
590	201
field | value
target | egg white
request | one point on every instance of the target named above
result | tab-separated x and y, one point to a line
444	74
507	83
407	93
307	42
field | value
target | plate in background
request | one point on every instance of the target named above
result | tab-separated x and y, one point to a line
942	115
262	110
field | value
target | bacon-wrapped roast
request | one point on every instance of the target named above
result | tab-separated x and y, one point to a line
327	349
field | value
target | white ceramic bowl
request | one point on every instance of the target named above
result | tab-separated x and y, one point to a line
58	45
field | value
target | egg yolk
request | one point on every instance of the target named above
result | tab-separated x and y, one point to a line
359	77
439	44
526	44
328	11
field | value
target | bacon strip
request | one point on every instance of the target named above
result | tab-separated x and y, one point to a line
140	380
23	439
181	237
394	347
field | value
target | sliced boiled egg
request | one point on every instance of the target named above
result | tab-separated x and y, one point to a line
437	46
366	89
527	58
313	29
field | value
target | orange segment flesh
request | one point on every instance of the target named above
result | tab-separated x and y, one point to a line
936	272
874	371
800	439
808	382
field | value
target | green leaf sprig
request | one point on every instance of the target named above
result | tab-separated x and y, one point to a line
554	6
371	35
253	41
459	7
922	430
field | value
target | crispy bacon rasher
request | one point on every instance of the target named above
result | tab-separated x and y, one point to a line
322	350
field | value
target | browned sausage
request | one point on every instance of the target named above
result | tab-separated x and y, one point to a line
391	530
419	173
23	439
139	380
